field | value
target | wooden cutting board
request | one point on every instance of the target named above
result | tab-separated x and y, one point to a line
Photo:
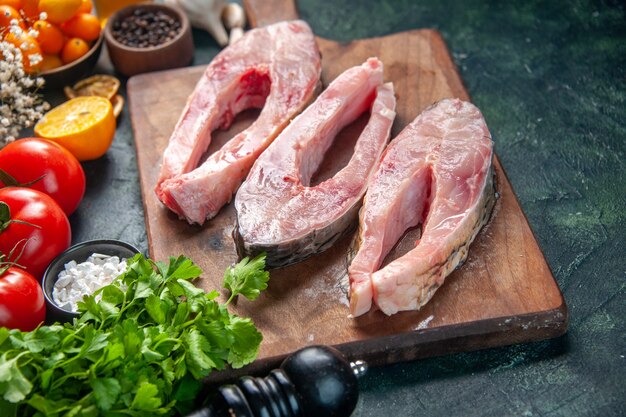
503	294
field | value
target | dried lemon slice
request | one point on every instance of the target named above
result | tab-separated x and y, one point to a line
118	104
97	85
85	126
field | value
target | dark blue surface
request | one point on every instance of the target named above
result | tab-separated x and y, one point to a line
550	78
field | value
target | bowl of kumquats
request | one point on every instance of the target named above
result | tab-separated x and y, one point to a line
60	40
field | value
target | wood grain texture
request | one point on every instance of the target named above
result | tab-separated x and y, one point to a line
503	294
265	12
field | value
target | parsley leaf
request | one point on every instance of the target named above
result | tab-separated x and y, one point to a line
140	347
106	391
13	384
146	397
182	268
154	306
247	278
247	341
198	361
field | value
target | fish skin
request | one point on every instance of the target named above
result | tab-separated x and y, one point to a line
438	172
276	68
277	211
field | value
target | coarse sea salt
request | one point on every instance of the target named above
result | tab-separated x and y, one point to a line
80	279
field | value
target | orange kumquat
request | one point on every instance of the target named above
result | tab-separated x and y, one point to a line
84	25
50	37
73	49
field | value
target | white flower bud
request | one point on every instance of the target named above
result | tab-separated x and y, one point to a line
20	106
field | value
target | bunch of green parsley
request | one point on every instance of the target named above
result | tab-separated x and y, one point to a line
140	347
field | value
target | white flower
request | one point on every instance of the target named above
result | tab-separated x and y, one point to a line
20	106
35	59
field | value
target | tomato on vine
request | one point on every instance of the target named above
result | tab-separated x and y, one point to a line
44	166
22	304
33	225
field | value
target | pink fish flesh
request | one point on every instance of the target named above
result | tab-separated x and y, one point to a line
278	212
438	173
276	68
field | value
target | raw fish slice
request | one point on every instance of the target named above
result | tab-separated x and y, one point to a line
438	172
277	211
276	67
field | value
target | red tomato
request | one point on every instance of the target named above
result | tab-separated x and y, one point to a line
40	244
22	305
62	176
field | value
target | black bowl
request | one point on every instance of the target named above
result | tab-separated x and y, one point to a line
79	253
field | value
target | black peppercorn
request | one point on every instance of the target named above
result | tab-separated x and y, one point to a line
144	28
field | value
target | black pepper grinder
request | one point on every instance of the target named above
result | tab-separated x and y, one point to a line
316	381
